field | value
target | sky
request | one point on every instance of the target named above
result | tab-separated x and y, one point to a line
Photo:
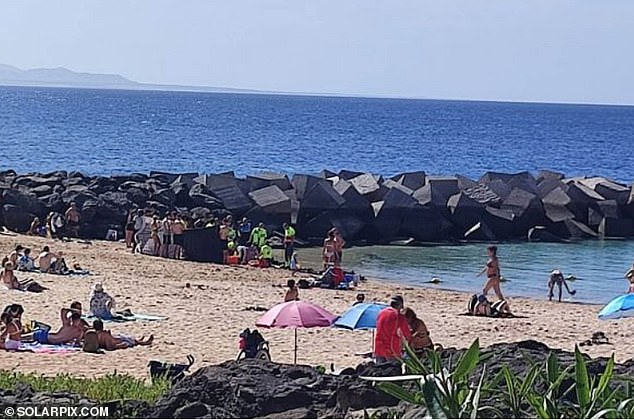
513	50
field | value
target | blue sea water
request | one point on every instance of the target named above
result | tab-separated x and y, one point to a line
111	132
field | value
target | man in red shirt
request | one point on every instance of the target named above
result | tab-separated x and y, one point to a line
391	330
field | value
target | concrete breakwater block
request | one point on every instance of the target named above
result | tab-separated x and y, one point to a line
272	200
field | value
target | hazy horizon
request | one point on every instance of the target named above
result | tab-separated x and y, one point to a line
533	51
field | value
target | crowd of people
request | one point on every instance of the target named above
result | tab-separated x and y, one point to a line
74	330
58	225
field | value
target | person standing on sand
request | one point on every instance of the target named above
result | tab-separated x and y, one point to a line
329	250
392	330
258	236
129	229
339	244
244	231
289	243
72	220
492	268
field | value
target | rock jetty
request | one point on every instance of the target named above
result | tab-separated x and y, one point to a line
366	208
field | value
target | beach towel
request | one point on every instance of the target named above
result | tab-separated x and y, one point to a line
129	318
48	348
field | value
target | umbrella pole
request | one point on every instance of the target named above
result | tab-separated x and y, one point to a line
373	343
295	355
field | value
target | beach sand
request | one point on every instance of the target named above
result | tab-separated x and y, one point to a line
206	318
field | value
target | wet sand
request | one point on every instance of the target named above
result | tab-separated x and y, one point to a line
206	318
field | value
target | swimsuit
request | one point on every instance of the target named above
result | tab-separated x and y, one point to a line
41	336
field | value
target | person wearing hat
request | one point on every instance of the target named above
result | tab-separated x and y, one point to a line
101	303
556	278
392	330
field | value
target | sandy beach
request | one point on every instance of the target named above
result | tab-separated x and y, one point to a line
206	317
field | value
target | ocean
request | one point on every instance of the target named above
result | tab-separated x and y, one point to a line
110	132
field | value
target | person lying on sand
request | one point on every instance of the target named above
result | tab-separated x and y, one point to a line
11	281
479	305
71	331
110	342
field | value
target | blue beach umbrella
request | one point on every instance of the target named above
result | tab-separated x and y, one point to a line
619	307
360	317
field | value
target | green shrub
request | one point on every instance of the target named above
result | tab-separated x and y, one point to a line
110	387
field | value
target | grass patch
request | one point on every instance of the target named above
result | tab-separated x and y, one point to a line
111	387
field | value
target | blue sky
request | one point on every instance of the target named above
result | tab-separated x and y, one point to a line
550	50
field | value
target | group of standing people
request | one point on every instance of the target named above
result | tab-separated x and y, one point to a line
333	248
166	234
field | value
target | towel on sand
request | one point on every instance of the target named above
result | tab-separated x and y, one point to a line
48	348
128	318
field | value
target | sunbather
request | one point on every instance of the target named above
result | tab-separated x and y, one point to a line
9	279
110	342
102	305
11	335
14	256
71	332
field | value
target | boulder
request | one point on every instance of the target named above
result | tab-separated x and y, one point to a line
556	205
227	190
464	211
272	200
572	229
501	223
616	228
352	199
410	180
541	234
26	202
523	203
202	197
545	186
32	181
522	180
16	219
465	183
426	224
165	196
367	185
348	175
137	195
348	224
325	174
609	209
389	184
481	194
303	184
98	185
267	179
608	189
181	194
436	191
546	174
322	196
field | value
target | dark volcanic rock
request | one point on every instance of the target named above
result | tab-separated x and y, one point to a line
253	388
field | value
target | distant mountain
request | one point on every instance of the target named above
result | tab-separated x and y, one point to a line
62	77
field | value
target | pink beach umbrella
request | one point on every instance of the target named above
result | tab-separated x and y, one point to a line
296	314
